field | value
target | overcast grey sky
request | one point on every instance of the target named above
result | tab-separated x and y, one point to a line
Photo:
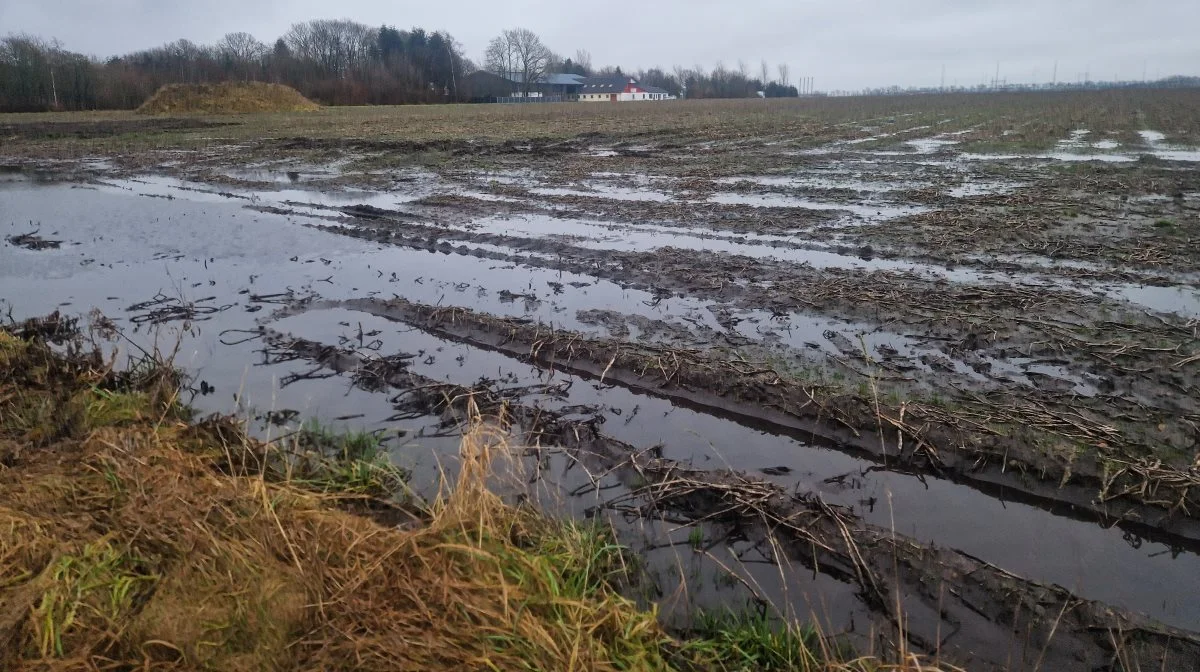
844	44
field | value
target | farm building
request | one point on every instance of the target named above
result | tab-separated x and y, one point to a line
565	86
483	86
617	90
557	84
559	87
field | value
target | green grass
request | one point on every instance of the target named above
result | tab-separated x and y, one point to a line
108	408
103	580
751	642
350	462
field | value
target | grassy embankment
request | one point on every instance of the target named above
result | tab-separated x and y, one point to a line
132	536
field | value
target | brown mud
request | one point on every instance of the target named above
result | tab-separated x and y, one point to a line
909	435
88	130
1141	366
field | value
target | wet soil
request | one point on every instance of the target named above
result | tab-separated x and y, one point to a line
83	130
830	354
826	539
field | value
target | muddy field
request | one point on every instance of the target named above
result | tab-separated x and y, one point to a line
919	369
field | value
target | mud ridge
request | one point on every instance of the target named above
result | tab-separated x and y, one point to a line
917	436
457	147
966	609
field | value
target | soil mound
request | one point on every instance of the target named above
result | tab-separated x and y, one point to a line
226	98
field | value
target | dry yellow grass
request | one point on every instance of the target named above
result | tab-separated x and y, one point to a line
130	538
226	98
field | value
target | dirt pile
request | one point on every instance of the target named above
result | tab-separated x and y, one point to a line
226	98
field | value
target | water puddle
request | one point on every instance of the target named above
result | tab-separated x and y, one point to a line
1076	149
983	188
1152	138
1178	300
832	179
1065	157
278	174
1158	148
608	192
1099	563
871	212
126	244
116	229
596	235
920	146
175	188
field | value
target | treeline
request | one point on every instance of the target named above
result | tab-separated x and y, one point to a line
722	82
522	54
332	62
1173	82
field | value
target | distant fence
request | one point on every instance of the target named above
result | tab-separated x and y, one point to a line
536	99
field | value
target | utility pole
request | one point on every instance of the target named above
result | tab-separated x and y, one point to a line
996	79
1054	79
942	88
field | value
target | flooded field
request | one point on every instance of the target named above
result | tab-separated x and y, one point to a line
932	365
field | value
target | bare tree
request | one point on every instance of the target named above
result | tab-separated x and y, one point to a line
583	58
784	73
519	54
682	75
243	52
337	47
242	46
498	58
764	72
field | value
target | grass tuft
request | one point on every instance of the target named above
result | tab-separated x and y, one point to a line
751	642
92	591
346	462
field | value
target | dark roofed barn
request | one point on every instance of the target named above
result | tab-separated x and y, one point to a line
618	89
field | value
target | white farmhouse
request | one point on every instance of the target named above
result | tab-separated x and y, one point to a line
618	89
